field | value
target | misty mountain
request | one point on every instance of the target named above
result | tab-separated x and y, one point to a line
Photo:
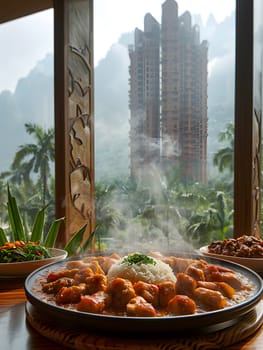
221	77
33	99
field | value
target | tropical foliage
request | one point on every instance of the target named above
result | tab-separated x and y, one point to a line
30	176
17	243
224	158
163	211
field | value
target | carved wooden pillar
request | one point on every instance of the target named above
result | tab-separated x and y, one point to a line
74	124
248	105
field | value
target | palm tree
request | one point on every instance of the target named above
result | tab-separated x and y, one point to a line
108	217
213	221
19	175
36	157
224	158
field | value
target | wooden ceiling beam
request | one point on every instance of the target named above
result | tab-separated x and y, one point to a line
14	9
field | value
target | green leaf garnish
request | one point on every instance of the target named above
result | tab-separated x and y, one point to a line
138	259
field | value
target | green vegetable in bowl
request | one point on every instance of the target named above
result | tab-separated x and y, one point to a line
19	251
24	248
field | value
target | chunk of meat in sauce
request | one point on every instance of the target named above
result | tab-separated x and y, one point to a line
232	280
166	292
177	264
222	287
95	283
109	261
105	262
70	295
83	274
139	307
225	288
214	274
149	291
185	284
54	287
181	305
77	264
55	275
208	269
121	291
96	268
209	299
200	264
195	272
94	303
81	265
87	270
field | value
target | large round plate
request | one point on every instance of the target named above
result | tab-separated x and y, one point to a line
122	325
255	264
24	268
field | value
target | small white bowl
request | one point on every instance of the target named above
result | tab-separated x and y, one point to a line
24	268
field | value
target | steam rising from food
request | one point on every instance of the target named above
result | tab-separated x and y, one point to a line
140	216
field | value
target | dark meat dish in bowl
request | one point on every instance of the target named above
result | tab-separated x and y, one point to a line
245	250
244	246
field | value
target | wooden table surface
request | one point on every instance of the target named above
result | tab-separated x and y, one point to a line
16	333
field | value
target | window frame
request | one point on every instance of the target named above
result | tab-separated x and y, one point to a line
247	142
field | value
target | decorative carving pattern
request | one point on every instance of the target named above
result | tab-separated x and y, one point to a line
80	123
79	133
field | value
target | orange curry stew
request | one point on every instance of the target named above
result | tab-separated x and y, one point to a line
82	285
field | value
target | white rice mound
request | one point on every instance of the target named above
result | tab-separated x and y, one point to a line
150	273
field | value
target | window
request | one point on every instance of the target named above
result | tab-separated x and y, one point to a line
27	114
182	159
77	203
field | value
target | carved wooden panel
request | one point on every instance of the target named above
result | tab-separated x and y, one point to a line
75	181
80	114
